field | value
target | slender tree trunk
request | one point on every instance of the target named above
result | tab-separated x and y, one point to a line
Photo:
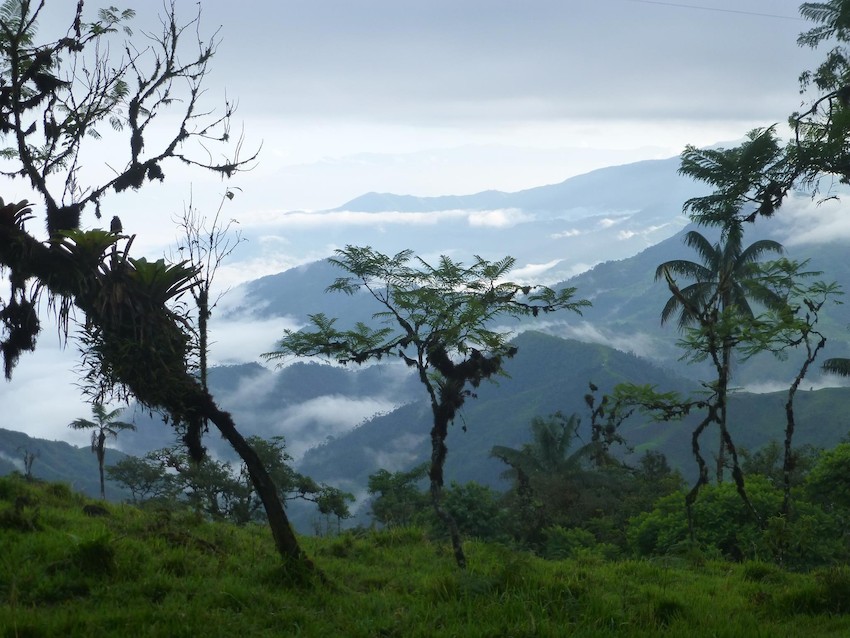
101	455
438	459
702	478
726	443
722	390
721	455
203	321
788	460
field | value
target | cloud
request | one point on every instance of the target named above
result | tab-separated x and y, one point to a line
639	343
573	232
496	218
250	390
503	218
324	219
399	453
18	463
44	396
242	340
441	71
311	422
646	232
607	222
804	221
825	381
531	272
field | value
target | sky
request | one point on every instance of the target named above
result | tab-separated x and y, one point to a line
434	98
458	96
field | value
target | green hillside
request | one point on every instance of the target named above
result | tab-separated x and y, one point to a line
549	374
127	573
59	462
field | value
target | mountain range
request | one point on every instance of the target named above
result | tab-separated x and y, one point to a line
342	424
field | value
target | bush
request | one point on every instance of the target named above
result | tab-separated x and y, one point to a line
723	523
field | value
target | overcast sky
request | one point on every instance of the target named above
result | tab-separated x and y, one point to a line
320	81
457	96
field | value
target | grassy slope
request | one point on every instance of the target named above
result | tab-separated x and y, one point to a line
134	573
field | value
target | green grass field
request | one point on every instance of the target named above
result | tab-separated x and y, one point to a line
128	572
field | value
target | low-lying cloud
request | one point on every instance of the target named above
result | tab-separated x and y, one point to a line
18	463
532	272
502	218
241	340
825	381
310	423
638	343
645	232
399	453
572	232
318	219
806	221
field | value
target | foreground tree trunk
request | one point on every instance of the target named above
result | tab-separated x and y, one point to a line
284	538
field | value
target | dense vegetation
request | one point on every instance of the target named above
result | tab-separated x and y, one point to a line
73	567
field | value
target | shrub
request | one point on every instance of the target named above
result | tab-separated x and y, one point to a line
723	523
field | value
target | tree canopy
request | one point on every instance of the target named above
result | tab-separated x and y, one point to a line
441	320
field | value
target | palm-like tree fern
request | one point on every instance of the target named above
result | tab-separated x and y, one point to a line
725	278
104	426
724	286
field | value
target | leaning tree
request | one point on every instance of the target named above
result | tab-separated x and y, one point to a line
441	320
57	99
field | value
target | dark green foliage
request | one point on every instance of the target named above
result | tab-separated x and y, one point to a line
828	482
397	499
749	180
95	556
560	543
725	278
724	525
174	574
477	509
768	462
146	479
168	477
828	594
762	572
563	500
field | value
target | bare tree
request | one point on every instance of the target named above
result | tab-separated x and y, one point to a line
206	244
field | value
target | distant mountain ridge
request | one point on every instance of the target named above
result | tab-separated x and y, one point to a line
640	185
554	230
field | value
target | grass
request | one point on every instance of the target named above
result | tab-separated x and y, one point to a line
140	573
